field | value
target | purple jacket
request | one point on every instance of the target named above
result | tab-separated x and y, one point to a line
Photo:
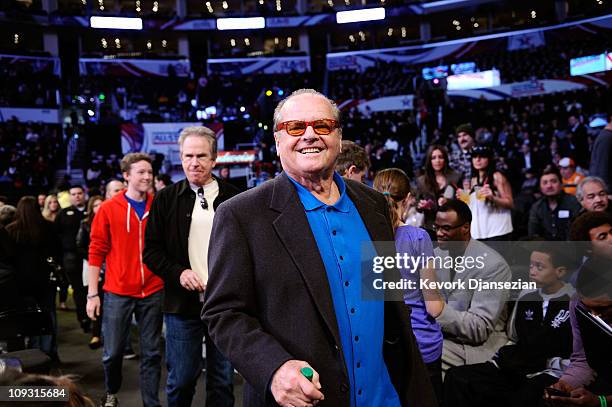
416	242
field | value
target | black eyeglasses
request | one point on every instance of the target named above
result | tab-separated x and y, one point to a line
445	228
203	201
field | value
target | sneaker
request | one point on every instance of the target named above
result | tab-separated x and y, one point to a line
110	400
95	342
129	356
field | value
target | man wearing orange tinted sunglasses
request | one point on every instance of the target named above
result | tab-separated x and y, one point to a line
284	288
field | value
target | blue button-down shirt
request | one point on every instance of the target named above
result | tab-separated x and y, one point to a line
340	234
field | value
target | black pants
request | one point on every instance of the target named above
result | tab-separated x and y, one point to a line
63	292
435	375
484	385
73	265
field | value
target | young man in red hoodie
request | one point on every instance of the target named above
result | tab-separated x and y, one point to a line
117	236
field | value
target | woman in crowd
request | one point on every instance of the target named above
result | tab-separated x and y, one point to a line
395	186
82	242
35	242
438	183
51	208
490	198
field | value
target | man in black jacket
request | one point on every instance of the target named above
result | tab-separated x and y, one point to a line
284	291
67	224
550	216
176	249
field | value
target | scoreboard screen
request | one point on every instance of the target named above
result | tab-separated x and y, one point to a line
588	64
435	72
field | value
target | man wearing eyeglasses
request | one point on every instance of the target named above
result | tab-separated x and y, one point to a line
285	274
472	321
176	249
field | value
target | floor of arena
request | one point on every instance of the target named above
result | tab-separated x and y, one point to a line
78	359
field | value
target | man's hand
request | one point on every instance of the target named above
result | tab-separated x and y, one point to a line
578	397
93	307
556	401
191	281
291	389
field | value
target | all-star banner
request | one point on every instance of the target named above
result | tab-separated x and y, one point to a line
160	138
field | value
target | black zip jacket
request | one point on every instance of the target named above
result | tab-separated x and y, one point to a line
67	224
166	251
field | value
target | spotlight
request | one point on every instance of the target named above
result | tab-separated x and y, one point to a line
268	93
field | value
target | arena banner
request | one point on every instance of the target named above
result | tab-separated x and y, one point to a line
24	115
361	60
236	157
69	21
48	65
190	25
533	39
134	67
248	66
300	21
519	89
385	104
160	138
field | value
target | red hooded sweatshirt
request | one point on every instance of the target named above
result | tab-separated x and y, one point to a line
117	236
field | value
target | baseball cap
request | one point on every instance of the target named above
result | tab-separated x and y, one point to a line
566	162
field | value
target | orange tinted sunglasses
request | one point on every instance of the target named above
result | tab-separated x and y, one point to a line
296	128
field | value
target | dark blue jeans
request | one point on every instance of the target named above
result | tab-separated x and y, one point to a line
184	363
116	322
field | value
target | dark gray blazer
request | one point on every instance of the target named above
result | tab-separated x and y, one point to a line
268	299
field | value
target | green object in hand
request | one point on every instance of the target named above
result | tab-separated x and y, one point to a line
307	373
